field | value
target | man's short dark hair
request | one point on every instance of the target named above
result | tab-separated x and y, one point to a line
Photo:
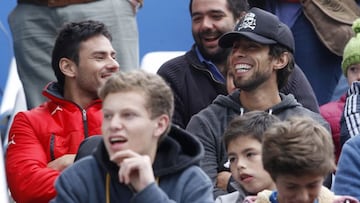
68	41
235	6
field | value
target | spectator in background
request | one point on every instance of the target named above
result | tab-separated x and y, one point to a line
34	25
261	61
298	153
320	36
350	120
242	139
43	141
199	75
142	157
347	179
333	111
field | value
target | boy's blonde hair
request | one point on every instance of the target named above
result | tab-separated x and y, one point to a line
158	95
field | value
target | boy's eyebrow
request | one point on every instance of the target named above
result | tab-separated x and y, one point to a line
291	183
242	151
246	150
314	182
231	153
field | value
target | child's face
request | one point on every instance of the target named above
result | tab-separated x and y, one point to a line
298	189
353	73
246	165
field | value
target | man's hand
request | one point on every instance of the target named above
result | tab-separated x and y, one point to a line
62	162
135	169
222	180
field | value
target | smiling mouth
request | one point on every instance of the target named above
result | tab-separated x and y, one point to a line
210	39
242	68
106	75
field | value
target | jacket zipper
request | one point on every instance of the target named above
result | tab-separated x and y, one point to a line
86	129
206	70
52	147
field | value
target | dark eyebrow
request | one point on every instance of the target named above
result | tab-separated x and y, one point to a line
213	11
246	150
231	154
102	53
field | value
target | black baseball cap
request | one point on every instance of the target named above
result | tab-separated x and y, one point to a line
262	27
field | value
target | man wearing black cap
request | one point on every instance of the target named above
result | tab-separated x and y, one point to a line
261	61
197	77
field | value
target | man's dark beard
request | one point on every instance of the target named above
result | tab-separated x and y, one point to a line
251	85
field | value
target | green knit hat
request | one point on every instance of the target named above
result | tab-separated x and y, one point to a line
352	49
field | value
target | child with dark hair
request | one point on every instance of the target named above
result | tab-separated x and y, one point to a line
242	140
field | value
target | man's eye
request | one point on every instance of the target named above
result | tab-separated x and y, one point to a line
196	18
217	17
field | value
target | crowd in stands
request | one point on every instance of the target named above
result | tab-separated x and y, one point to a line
245	115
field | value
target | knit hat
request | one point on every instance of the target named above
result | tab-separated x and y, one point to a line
352	49
262	27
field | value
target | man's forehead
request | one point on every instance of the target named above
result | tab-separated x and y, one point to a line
207	6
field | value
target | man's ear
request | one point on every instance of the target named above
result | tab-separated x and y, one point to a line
242	14
67	67
282	61
162	123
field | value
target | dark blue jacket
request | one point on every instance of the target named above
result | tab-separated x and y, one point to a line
347	177
176	167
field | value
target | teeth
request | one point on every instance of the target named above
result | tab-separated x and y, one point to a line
210	38
242	67
117	139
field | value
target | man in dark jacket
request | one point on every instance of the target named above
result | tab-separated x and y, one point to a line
141	158
197	77
261	61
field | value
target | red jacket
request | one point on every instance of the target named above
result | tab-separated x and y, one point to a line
41	135
332	112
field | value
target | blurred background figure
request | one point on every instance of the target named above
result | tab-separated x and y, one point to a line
34	25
